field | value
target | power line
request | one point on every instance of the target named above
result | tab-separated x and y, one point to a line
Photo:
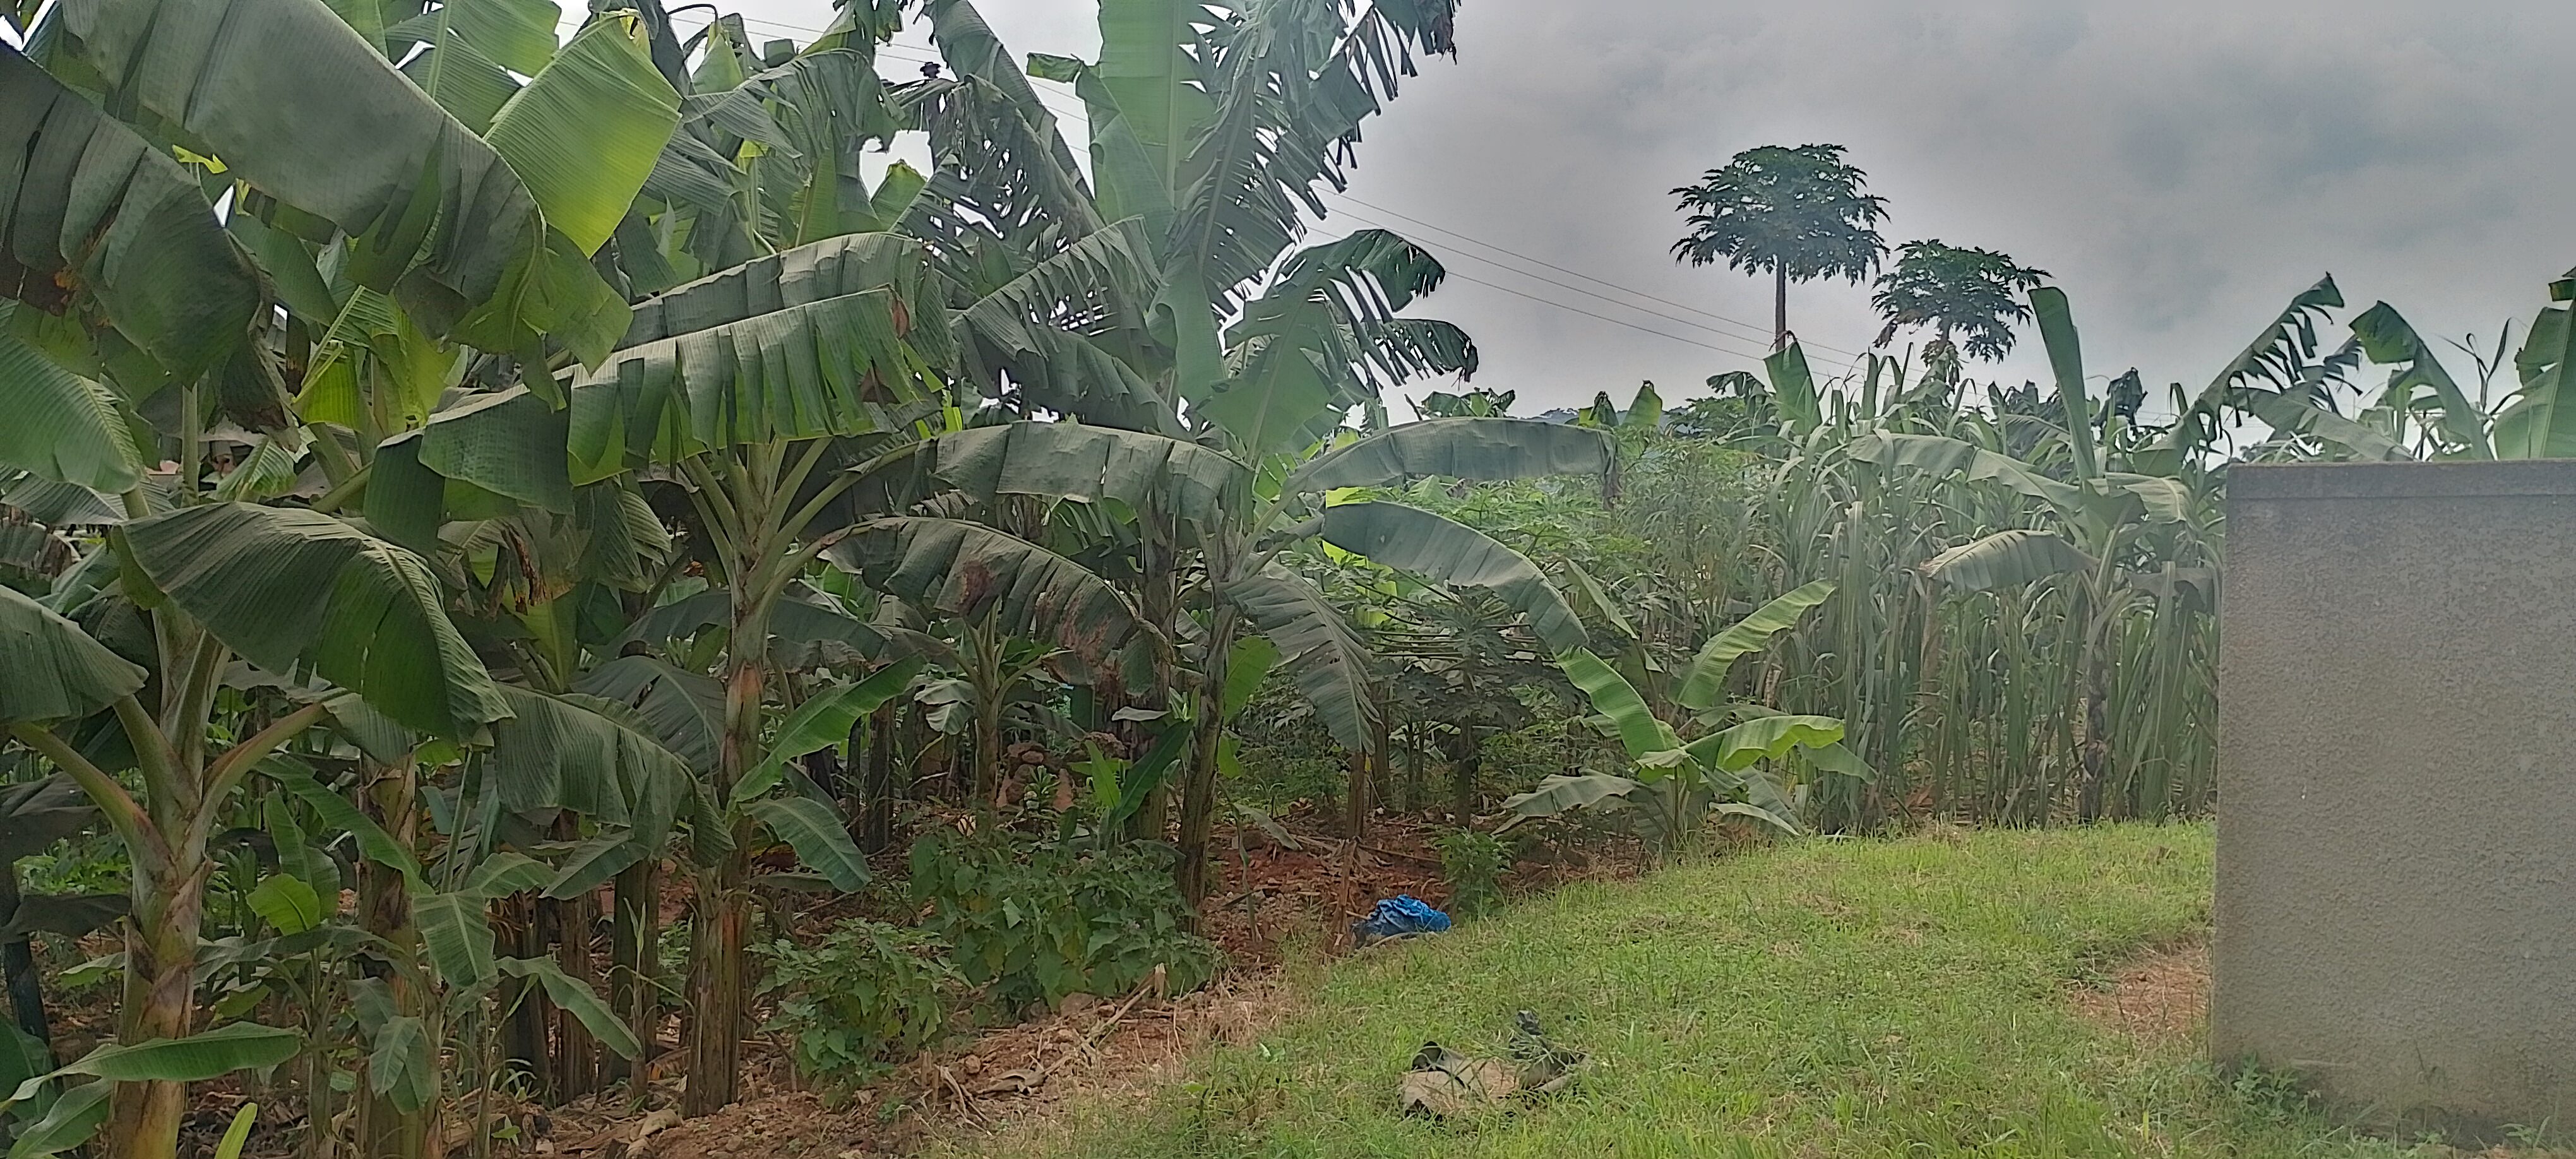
1363	219
1589	314
1755	331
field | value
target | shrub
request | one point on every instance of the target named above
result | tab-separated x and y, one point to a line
1039	921
1474	864
867	996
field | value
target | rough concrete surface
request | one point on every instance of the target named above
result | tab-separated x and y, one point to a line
2396	906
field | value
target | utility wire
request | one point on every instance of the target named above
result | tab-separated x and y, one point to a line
1566	286
1754	332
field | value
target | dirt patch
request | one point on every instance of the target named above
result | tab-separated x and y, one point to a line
2160	998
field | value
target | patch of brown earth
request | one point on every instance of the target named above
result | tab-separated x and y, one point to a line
2160	998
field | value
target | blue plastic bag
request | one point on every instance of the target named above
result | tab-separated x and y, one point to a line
1399	916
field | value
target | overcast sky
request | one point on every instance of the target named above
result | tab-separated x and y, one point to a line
2181	168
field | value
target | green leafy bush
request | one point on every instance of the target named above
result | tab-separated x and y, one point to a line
1474	864
1038	922
865	997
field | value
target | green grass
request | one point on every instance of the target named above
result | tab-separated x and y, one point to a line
1832	998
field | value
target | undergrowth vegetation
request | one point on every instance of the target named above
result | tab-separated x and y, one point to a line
1861	999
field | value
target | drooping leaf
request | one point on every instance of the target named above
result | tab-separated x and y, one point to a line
2277	355
36	814
2007	559
293	590
341	135
684	710
63	427
561	753
1941	455
1559	794
1701	689
336	812
817	835
2291	414
1764	738
2540	421
1612	696
1445	551
574	995
1461	448
1245	670
105	224
1063	461
970	570
1317	646
825	720
52	670
505	873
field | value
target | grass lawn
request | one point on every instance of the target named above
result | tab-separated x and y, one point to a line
1831	998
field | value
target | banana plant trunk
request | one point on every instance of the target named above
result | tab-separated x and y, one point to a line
159	1001
384	909
1198	792
635	936
719	976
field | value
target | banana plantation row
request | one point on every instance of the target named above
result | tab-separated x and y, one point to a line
466	487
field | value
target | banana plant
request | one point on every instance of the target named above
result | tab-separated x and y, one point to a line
1673	784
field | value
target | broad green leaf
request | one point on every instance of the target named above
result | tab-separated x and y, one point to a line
74	1116
558	752
340	135
2392	341
505	873
1245	670
1063	461
196	1058
1445	551
1460	448
401	1067
62	427
2275	355
1598	598
299	857
36	814
1706	683
458	935
51	670
1838	759
2291	414
287	903
105	223
1794	388
1763	738
825	720
585	131
2007	559
683	710
237	1136
2066	360
293	590
972	571
572	994
1612	696
1941	455
593	862
2540	421
1332	666
1559	794
379	846
817	835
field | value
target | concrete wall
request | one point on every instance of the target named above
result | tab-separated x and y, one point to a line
2396	909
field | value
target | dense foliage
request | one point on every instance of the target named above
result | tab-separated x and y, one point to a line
471	487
